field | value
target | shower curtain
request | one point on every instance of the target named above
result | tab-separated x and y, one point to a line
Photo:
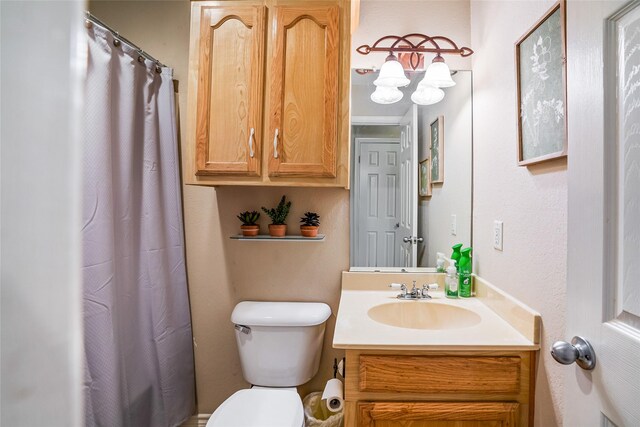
138	342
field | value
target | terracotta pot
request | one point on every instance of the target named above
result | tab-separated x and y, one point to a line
309	230
277	230
250	230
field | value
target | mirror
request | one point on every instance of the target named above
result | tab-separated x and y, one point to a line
401	217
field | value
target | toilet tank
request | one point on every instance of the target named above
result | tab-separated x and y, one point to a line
280	343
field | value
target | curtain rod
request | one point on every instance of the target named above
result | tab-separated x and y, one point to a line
92	18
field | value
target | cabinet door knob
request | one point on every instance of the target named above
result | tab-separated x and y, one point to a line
275	144
251	142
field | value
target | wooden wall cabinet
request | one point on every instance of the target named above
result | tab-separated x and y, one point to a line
439	389
268	99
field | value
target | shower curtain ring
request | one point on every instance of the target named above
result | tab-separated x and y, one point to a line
116	42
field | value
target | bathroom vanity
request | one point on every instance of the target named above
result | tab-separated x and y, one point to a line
435	362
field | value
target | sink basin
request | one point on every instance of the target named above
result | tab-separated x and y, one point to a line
423	315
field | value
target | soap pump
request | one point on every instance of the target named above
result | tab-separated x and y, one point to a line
455	256
451	282
440	263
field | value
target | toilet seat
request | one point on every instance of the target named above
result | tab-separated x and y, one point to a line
260	407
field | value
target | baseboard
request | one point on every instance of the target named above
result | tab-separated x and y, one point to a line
198	420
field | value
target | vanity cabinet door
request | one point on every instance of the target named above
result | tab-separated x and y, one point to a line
230	92
437	414
303	103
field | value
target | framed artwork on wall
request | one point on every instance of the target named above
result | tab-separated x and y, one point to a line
424	183
541	89
437	150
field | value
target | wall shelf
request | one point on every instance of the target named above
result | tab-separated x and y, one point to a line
289	238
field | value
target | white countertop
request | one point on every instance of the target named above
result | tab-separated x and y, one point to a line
356	330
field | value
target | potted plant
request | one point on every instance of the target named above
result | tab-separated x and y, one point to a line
278	215
249	220
309	224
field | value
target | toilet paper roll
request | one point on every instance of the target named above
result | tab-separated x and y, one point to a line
334	395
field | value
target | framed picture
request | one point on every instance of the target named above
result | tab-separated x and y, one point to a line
436	147
424	183
541	89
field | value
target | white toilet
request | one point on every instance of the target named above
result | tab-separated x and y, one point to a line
280	345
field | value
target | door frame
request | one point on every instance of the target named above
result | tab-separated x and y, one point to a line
353	214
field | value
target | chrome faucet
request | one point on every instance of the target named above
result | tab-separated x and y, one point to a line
415	293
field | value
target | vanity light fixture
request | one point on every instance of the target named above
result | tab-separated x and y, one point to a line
387	95
427	95
438	74
392	74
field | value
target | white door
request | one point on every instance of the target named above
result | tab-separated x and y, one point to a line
408	242
603	289
377	208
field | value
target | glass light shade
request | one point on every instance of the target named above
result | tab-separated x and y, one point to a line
427	95
392	74
386	95
438	75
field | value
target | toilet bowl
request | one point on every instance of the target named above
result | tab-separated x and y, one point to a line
280	345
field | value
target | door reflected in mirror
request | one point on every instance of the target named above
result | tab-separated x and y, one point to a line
411	174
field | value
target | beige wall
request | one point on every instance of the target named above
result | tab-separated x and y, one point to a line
223	272
531	201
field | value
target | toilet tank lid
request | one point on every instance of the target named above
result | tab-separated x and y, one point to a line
258	313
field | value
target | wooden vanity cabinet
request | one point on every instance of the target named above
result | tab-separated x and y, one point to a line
439	389
269	93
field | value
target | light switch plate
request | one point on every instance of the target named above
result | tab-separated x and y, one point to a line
454	225
497	235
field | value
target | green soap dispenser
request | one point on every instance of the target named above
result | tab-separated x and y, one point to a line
464	273
455	256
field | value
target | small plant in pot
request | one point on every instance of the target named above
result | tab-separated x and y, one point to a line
249	225
278	215
309	224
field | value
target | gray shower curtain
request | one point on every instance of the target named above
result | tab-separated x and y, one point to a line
138	342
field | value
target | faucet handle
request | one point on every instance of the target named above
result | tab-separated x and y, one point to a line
400	286
426	288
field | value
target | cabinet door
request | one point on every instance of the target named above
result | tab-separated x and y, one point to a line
229	99
304	91
437	414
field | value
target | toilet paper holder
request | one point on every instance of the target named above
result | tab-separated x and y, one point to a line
337	368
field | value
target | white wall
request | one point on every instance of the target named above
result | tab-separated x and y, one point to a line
453	196
531	201
41	300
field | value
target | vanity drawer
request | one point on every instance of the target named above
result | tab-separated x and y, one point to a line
441	414
440	374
